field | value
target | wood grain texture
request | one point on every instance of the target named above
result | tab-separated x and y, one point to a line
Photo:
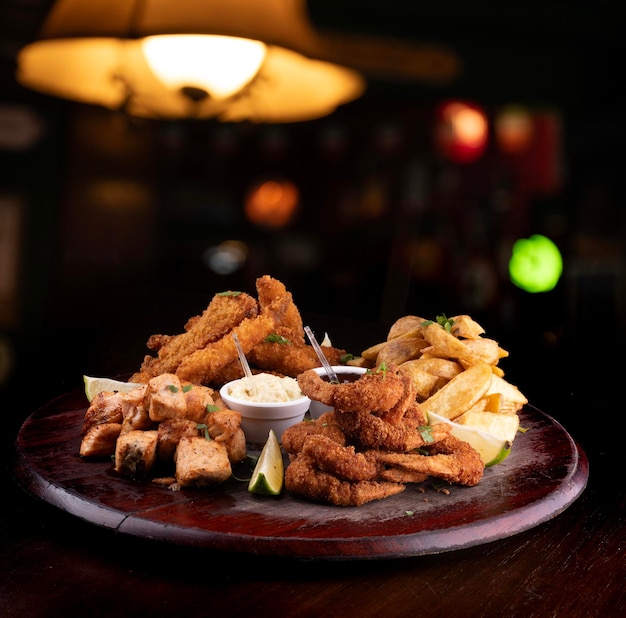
546	472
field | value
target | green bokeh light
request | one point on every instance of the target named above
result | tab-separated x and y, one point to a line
536	264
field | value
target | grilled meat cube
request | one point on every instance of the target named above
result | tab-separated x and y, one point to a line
135	452
198	398
201	462
105	407
170	433
225	427
99	441
135	410
165	398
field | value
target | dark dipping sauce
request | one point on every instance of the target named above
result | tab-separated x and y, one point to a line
344	377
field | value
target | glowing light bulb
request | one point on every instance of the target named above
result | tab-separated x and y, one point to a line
219	65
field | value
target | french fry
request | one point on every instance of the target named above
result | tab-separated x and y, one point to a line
512	398
404	325
446	345
485	349
441	367
425	383
453	367
493	401
460	393
371	353
465	327
400	350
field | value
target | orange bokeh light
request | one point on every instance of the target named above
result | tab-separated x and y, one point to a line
514	129
272	203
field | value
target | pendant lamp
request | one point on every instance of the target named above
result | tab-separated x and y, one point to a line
234	60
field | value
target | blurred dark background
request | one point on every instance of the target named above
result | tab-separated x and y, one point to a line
114	228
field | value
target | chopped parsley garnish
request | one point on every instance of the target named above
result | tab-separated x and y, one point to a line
276	338
229	293
205	430
443	321
426	431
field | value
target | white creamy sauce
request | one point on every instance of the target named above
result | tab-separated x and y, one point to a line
265	388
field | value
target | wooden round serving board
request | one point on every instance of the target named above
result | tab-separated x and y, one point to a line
544	474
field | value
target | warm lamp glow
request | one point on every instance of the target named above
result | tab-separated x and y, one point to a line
111	53
219	65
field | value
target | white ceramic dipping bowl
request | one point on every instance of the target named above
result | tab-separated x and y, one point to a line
258	418
318	408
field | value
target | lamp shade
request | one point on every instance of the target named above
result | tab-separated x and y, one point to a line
95	52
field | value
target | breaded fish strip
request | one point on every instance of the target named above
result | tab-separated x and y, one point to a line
224	312
268	290
286	354
204	366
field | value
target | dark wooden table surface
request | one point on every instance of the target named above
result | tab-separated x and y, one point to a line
574	565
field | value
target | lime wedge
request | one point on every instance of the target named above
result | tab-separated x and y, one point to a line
492	449
93	386
269	472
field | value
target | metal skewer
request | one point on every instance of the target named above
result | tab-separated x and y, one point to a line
332	376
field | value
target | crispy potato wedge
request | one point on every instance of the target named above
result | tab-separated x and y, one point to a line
400	350
445	345
467	328
479	406
406	324
360	361
461	392
425	383
371	353
497	371
493	402
485	349
441	367
511	395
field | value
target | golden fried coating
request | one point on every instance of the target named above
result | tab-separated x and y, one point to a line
304	479
338	460
449	459
224	312
268	290
288	355
381	427
373	432
374	391
326	425
205	366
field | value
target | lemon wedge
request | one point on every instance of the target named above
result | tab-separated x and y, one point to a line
492	448
269	473
93	386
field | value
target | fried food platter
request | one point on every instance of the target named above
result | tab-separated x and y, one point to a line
546	472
